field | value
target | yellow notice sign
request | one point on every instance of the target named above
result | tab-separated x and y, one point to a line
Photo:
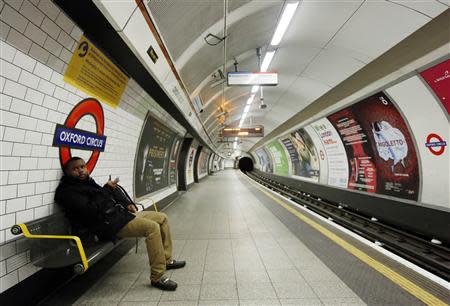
92	72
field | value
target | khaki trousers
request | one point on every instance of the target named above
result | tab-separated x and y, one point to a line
154	226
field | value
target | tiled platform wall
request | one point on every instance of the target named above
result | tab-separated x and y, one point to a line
37	40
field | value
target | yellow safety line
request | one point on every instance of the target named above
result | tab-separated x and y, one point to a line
77	240
403	282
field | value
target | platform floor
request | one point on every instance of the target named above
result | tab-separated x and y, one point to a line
242	249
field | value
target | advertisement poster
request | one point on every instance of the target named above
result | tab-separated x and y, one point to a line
308	159
438	78
335	152
264	160
152	157
381	155
173	161
190	165
280	161
202	162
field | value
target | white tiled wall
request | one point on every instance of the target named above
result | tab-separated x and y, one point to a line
36	42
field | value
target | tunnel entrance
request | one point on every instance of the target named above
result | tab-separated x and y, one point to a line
245	164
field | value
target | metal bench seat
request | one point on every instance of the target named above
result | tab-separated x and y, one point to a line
52	246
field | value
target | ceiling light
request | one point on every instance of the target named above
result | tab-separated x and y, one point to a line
255	88
244	115
246	109
267	59
250	99
282	26
236	138
234	145
243	133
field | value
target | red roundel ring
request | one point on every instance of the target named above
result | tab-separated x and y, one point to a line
91	107
439	138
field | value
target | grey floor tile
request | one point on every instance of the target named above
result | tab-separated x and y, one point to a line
177	303
132	303
318	274
301	302
290	276
331	289
255	291
294	290
220	265
183	293
256	276
187	277
343	301
218	292
104	293
108	303
265	302
219	277
218	303
142	293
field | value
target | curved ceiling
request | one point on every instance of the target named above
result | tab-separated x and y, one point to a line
326	42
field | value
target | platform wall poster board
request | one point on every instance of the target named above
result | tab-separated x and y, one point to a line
381	154
280	161
438	78
334	152
308	159
173	160
264	160
152	159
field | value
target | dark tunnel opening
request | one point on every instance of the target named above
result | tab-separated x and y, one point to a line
246	164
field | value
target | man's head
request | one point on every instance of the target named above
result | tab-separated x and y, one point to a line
76	168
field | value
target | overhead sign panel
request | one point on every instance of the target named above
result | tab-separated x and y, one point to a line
252	78
255	131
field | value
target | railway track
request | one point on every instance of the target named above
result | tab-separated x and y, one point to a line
432	257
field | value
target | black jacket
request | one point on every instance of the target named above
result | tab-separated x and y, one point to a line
100	210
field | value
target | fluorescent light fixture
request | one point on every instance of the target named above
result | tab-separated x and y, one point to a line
244	115
267	59
243	133
250	99
282	26
234	145
255	89
236	138
246	109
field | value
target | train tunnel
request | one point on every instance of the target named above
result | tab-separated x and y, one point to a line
225	152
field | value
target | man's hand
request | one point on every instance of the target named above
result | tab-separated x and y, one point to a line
113	184
131	208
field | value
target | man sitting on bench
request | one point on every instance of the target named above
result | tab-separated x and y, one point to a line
107	213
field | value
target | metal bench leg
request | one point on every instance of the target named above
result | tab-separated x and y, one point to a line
136	245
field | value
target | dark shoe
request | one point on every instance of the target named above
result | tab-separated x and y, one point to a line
174	264
165	284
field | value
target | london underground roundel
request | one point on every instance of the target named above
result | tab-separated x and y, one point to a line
67	136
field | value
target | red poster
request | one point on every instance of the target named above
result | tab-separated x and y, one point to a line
381	155
438	78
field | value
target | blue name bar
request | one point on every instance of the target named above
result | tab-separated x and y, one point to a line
436	144
78	139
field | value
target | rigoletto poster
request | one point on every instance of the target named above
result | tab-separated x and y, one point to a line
380	153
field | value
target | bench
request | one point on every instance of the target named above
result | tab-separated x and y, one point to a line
52	245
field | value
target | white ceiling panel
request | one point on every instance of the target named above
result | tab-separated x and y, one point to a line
332	67
315	22
378	26
431	8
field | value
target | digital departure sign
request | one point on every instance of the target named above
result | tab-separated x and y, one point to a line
254	131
